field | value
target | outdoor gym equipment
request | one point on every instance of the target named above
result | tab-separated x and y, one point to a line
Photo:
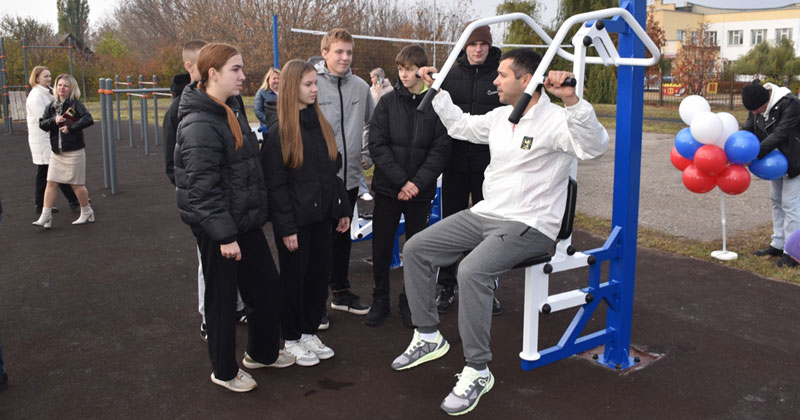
619	250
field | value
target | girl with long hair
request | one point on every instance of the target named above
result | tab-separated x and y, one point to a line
65	118
307	200
222	197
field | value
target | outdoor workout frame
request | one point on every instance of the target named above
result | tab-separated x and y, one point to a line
619	250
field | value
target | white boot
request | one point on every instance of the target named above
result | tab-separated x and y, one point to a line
87	215
46	218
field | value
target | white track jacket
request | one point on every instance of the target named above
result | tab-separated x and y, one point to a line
527	176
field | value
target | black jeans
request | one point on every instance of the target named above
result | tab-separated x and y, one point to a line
456	189
257	279
385	219
304	279
340	251
41	184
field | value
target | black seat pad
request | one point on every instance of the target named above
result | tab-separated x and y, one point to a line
536	259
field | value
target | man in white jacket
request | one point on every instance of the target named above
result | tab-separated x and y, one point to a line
524	191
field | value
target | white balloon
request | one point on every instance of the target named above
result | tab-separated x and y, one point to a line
729	126
706	127
691	106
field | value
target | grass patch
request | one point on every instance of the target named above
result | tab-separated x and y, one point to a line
743	244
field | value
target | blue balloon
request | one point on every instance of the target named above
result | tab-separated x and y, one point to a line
686	144
742	147
773	166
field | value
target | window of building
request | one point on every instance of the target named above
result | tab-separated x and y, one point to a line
694	36
735	37
711	37
757	36
781	33
681	35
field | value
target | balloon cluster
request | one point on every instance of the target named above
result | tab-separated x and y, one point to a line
712	152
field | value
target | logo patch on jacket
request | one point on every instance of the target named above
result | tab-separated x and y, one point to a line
527	142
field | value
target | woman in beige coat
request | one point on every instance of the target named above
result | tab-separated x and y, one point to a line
39	140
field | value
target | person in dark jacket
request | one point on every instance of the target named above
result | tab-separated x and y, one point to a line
222	196
307	201
470	83
179	82
266	99
65	119
775	119
410	151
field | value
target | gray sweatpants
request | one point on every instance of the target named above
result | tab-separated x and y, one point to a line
495	245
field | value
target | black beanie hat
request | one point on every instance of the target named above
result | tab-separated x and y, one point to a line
754	96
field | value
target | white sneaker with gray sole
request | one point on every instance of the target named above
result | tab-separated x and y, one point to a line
468	391
242	382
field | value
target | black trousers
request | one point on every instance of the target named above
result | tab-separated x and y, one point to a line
257	279
340	251
304	279
385	219
41	184
456	189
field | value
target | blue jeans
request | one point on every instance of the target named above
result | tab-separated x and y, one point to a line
785	196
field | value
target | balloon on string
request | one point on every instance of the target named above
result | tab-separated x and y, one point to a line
691	106
772	166
729	126
679	162
742	147
698	181
734	180
710	159
706	127
686	144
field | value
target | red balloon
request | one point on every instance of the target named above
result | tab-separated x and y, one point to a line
735	179
710	159
698	181
678	161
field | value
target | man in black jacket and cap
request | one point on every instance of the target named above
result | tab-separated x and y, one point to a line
775	119
470	83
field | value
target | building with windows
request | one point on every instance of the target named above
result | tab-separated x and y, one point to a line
735	31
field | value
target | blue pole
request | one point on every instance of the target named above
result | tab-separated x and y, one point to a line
275	61
628	156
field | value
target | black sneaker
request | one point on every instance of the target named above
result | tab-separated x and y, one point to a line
445	299
324	323
204	332
497	307
377	313
241	317
769	251
348	302
405	311
4	382
75	207
786	261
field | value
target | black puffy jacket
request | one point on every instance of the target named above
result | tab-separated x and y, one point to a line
471	88
310	193
219	189
406	145
781	131
73	139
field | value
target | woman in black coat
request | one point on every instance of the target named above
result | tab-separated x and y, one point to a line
222	197
307	200
65	119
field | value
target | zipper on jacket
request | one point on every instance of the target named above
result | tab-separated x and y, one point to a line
474	91
344	137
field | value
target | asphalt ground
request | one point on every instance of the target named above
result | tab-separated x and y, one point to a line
99	321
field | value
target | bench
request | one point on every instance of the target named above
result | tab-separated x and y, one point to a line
16	105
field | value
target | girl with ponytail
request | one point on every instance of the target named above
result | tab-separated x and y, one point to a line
222	197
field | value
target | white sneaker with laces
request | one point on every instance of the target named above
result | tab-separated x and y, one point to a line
242	382
313	344
284	360
302	356
420	351
468	391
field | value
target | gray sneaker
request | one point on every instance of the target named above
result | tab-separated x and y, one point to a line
421	351
468	391
284	360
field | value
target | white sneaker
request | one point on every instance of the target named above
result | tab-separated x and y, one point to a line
468	391
302	356
313	344
367	197
242	382
284	360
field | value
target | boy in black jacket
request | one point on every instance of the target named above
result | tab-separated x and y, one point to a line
410	150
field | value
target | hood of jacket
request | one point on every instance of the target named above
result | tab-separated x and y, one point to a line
178	83
776	93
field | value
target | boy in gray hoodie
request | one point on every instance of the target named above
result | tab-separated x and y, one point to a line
346	102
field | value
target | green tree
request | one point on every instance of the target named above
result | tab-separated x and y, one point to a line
774	61
519	32
29	29
73	17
